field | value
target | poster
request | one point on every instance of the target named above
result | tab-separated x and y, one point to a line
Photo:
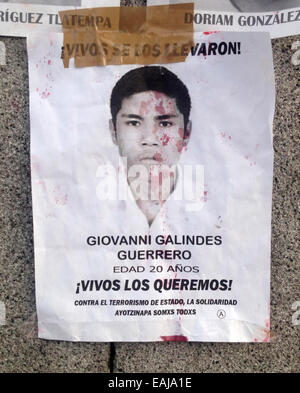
280	18
152	189
19	18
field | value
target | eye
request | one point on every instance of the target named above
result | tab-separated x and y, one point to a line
165	124
133	123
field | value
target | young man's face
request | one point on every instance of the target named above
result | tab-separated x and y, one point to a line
150	130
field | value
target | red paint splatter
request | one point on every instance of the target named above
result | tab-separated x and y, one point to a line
267	331
184	134
205	194
45	94
160	178
180	146
158	157
252	157
181	132
144	108
158	95
159	107
174	338
49	62
170	105
209	32
165	139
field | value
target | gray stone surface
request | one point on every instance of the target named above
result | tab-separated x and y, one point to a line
131	3
21	351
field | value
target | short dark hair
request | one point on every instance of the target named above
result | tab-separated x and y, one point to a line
155	78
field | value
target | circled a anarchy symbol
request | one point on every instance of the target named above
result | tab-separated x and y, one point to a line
221	314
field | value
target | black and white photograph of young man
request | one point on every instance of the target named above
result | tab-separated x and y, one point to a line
150	124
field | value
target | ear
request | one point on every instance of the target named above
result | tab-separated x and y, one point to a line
113	131
187	133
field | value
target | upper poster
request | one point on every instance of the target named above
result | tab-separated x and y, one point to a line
19	18
152	189
278	17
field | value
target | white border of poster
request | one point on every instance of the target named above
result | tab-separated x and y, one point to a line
93	283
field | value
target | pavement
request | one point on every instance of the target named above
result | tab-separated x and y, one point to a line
20	349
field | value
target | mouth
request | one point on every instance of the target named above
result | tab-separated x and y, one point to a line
148	159
154	158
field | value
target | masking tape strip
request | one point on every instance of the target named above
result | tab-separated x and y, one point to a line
127	35
133	19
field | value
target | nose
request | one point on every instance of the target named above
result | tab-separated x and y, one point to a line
149	135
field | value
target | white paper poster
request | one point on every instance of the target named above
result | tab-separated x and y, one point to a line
152	191
280	18
24	17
